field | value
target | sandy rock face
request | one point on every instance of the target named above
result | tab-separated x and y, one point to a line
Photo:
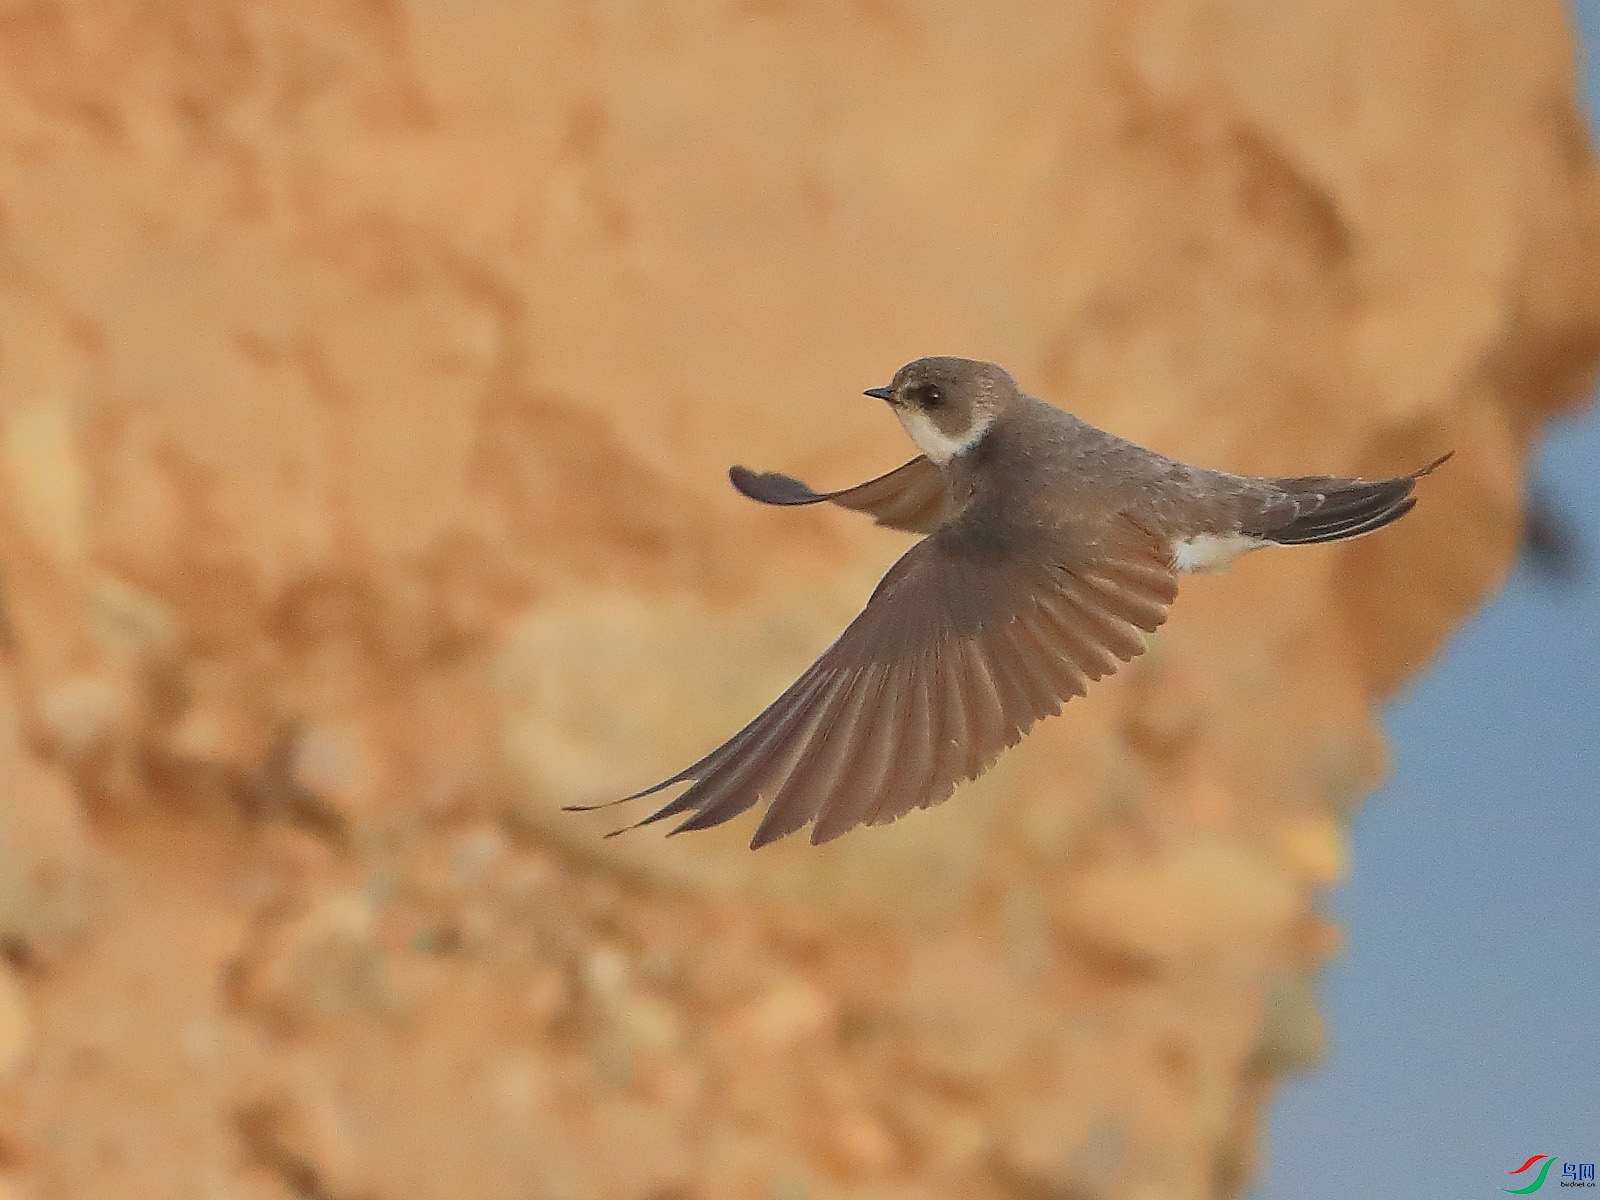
368	375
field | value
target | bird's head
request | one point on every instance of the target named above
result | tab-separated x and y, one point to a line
947	404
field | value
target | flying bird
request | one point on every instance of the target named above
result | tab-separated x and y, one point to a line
1050	549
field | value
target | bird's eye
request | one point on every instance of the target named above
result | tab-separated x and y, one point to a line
929	396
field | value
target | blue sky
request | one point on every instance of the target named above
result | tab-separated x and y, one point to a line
1465	1014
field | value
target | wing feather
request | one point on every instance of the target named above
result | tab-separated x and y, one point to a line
948	718
861	780
1079	643
919	749
1031	661
740	772
914	498
1061	674
817	773
986	723
1108	631
967	642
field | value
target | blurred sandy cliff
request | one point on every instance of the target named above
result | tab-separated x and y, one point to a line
368	374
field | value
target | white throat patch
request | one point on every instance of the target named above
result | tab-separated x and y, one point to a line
938	446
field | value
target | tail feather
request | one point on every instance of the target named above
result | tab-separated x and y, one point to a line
1330	509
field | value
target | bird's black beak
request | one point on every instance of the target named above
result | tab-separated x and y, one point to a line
880	393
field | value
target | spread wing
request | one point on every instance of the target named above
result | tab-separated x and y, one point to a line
975	634
913	498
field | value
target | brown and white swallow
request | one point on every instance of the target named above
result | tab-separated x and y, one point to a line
1050	549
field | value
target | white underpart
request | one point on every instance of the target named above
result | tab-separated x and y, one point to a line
940	447
1212	551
